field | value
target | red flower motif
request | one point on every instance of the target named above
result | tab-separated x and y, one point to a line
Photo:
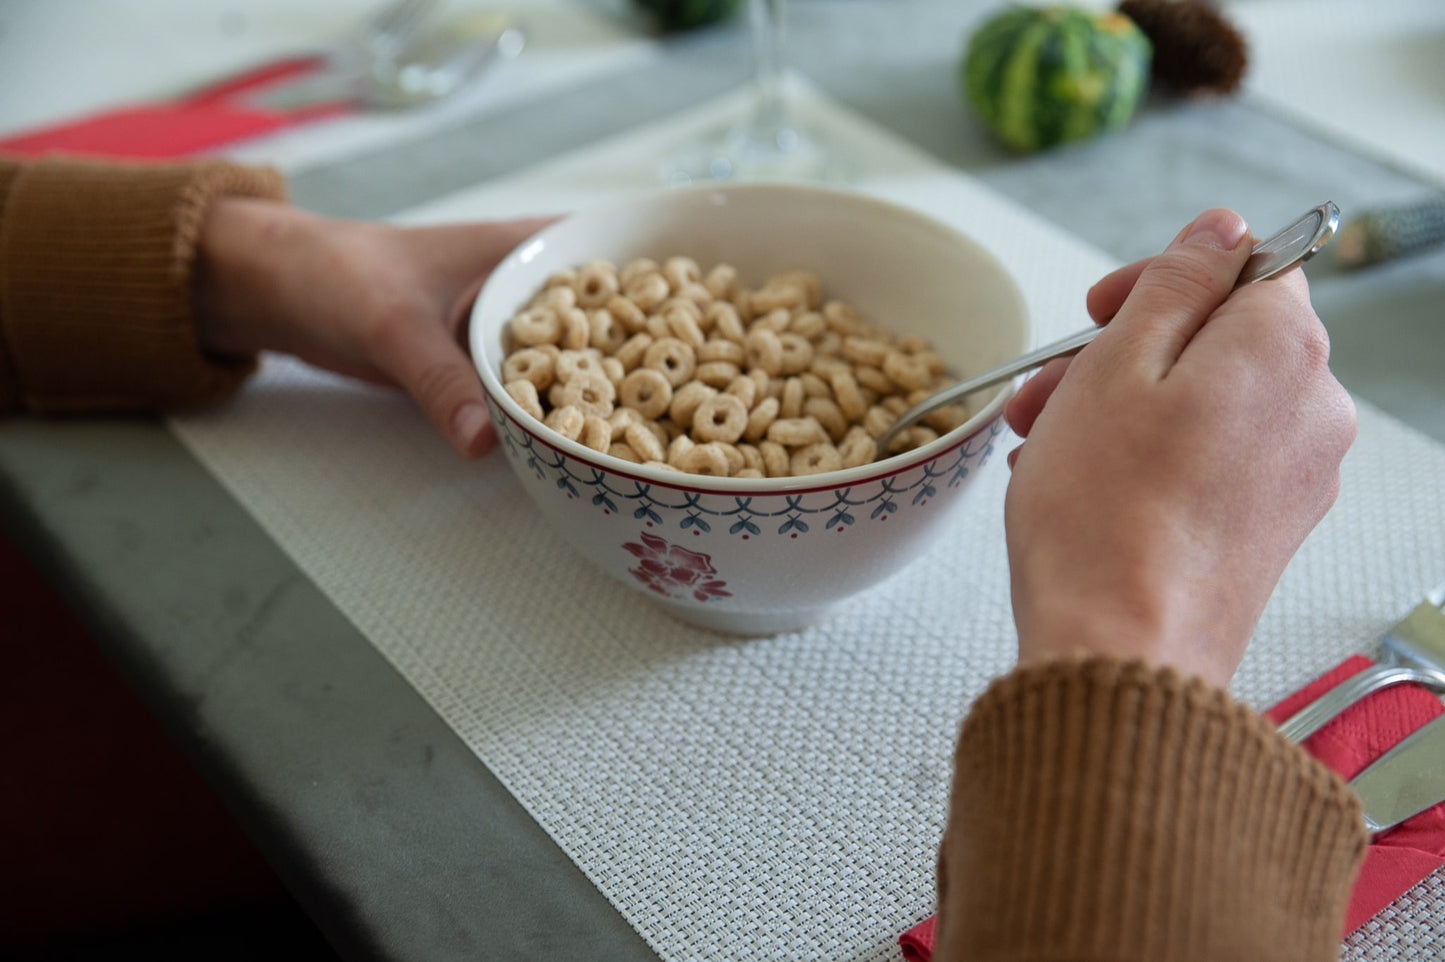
673	571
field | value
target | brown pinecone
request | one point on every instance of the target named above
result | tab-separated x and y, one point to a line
1195	48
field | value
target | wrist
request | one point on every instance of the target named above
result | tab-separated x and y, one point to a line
248	253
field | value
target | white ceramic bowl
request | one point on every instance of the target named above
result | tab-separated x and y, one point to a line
760	556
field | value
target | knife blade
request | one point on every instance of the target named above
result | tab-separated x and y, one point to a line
1406	780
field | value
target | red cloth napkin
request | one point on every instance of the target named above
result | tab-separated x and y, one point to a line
1364	732
211	117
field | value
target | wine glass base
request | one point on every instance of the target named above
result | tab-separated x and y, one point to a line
744	153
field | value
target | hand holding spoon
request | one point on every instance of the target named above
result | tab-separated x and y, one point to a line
1293	245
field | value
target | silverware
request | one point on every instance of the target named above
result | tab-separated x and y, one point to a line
429	67
1295	244
1412	650
378	36
1385	233
1406	780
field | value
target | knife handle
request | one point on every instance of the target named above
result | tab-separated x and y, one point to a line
1389	232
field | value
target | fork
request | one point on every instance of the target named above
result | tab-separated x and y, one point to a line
1412	651
375	39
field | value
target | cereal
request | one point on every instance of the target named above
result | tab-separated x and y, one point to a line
873	379
590	392
576	331
642	441
525	394
848	396
596	284
646	391
761	418
695	292
537	325
815	459
797	352
827	413
674	358
809	324
679	446
721	349
858	448
681	271
776	463
566	421
571	363
718	374
796	432
744	388
633	350
908	371
623	451
764	351
637	268
613	370
686	369
685	401
722	281
647	291
733	455
721	417
558	298
708	459
878	420
607	333
628	314
529	364
865	350
683	324
596	434
725	321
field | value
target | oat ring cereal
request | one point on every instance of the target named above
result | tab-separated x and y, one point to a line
674	358
647	391
664	363
529	364
538	325
721	417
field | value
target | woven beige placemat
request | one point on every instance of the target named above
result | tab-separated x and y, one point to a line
763	799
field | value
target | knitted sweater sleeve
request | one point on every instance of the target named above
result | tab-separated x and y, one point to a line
96	263
1104	810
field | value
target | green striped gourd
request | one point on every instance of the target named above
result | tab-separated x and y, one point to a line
674	15
1041	76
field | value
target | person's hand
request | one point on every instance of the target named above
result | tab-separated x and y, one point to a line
381	303
1174	466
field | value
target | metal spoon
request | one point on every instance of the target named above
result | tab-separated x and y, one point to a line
1295	244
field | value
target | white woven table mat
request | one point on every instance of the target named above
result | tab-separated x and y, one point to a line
760	799
1368	74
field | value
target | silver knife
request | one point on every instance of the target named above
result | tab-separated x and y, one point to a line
1404	781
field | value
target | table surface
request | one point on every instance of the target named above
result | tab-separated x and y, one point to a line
395	838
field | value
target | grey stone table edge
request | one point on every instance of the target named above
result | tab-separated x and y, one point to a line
357	792
139	534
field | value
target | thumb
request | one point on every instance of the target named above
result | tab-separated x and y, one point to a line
439	375
1178	290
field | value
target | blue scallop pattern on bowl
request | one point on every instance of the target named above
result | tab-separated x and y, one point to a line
740	514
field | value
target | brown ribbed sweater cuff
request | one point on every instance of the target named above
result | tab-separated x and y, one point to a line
1109	810
96	263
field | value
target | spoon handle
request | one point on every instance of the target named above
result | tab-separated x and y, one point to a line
1295	244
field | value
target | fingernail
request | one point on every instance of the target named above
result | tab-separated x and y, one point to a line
467	423
1218	228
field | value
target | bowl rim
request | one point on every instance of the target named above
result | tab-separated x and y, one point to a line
978	422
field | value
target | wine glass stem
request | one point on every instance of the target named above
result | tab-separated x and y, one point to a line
767	23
